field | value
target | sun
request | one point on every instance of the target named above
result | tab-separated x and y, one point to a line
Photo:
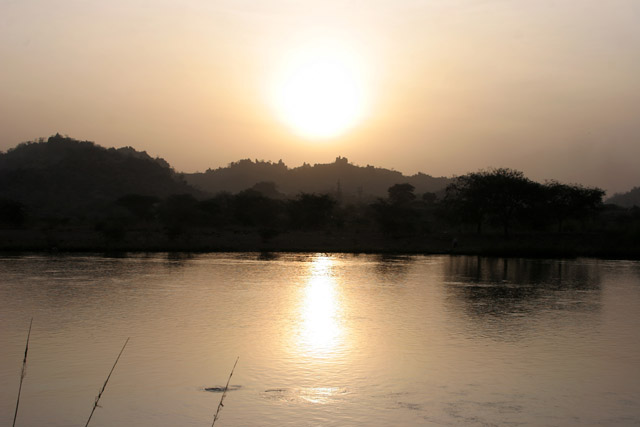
319	92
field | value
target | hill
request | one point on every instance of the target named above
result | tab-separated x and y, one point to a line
629	199
340	178
64	176
75	195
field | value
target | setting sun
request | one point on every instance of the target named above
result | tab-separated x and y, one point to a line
319	93
384	213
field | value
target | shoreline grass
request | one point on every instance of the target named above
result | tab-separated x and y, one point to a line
224	394
23	373
104	386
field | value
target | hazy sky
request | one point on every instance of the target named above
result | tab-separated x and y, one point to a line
549	87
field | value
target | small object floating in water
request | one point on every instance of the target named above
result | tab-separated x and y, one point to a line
220	389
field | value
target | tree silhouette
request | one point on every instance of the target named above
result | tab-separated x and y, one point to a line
500	195
311	211
251	208
140	206
396	214
429	198
178	212
401	194
570	201
12	213
218	210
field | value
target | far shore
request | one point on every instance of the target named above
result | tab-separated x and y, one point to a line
546	245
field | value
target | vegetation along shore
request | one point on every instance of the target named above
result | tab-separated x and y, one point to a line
68	195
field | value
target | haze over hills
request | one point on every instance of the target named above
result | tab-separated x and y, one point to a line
339	178
629	199
64	174
76	195
61	175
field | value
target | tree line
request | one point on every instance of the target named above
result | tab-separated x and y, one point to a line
498	201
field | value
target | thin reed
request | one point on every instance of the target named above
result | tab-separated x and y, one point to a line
23	373
224	393
95	404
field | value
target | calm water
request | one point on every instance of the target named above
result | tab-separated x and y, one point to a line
323	339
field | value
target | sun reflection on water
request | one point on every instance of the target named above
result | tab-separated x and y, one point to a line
321	332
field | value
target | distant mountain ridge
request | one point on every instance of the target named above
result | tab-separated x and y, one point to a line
340	178
62	175
629	199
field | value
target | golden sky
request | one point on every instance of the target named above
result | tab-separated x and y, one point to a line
549	87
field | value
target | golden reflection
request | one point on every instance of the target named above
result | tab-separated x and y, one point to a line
320	395
321	332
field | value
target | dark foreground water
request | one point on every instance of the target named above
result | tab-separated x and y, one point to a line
331	340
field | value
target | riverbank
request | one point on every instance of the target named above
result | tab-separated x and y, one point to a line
604	245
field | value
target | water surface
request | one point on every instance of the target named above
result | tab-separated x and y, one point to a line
323	339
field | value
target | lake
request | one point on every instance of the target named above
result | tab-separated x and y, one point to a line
323	339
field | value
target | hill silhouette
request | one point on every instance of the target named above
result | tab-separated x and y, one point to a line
629	199
341	179
65	176
67	194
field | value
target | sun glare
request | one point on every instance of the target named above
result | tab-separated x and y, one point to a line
319	93
321	330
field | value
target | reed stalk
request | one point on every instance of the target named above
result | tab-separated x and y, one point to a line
224	393
23	373
95	404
